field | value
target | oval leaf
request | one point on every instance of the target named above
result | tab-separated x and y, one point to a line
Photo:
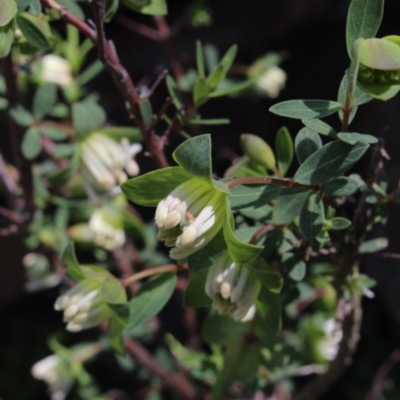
284	150
8	9
312	216
307	142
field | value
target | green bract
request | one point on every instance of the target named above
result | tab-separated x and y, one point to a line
192	208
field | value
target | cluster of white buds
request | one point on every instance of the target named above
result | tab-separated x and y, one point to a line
54	372
104	163
83	306
232	289
55	69
271	82
107	229
190	216
329	346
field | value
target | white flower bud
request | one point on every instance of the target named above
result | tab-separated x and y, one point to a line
271	82
56	70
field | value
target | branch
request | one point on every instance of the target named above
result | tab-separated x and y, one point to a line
121	78
174	382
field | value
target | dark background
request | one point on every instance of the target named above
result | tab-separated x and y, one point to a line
313	33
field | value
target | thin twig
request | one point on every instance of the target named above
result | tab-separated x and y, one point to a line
174	382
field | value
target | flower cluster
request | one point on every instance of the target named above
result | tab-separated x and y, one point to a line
104	163
190	216
54	372
232	289
83	306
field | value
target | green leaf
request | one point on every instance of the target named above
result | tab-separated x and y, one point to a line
320	127
374	245
31	145
307	142
3	103
112	291
273	241
363	20
378	91
258	150
195	156
353	137
312	216
339	223
380	54
207	255
52	132
111	9
150	299
329	162
87	116
306	109
90	72
69	259
149	189
341	186
295	266
200	91
233	88
216	77
284	150
289	205
239	251
265	274
118	132
8	9
149	7
269	306
33	30
217	121
222	329
21	116
115	335
229	58
7	33
44	99
201	69
252	196
195	295
174	91
146	111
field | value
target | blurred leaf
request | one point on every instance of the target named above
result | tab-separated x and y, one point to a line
307	142
115	335
73	7
339	223
216	76
289	205
233	88
111	9
353	137
31	145
329	162
312	216
112	291
116	133
258	150
90	72
200	91
265	274
64	150
363	20
269	307
201	69
284	150
87	116
34	29
217	121
73	267
174	91
295	266
195	295
374	245
53	133
44	99
149	7
341	186
222	329
150	299
7	33
21	116
306	109
228	58
146	111
8	9
380	54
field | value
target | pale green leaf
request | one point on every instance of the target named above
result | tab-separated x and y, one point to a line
307	142
284	150
31	145
289	205
195	295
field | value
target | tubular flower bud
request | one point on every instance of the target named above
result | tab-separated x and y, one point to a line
232	290
54	372
190	216
104	163
83	306
55	69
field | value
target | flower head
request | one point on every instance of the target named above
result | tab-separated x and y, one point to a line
190	216
232	289
271	82
83	305
56	70
54	372
104	163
